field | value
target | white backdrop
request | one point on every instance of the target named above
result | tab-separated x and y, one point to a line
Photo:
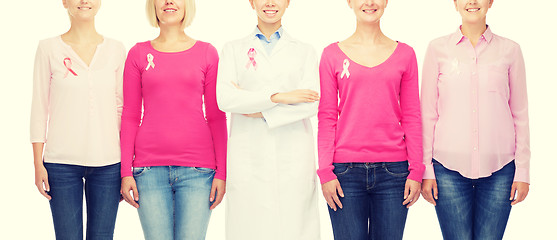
25	213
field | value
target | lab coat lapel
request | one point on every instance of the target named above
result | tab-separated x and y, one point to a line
284	40
258	46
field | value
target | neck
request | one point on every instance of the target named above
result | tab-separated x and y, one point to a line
82	31
268	28
473	31
368	32
171	33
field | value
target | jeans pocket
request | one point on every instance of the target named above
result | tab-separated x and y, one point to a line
397	169
341	168
203	170
138	171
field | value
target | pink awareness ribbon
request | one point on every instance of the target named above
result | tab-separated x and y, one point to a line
68	65
251	61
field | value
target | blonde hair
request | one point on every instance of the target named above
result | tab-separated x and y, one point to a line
189	12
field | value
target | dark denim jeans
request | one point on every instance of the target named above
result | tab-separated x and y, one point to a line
102	193
372	202
473	209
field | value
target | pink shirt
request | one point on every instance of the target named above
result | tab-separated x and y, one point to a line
474	106
172	89
378	116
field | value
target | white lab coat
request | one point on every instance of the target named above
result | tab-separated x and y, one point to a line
271	180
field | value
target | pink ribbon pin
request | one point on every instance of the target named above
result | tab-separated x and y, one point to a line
68	65
251	55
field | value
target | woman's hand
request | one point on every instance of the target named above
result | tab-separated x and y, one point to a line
520	190
331	192
128	184
217	192
254	115
411	192
429	190
41	180
296	96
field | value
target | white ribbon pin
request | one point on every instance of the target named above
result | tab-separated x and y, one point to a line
345	71
150	60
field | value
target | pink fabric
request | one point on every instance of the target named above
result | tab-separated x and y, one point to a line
369	124
174	130
475	107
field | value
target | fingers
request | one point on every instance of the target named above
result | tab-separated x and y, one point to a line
235	85
428	197
340	192
212	194
513	192
331	192
220	195
337	201
435	192
406	193
128	184
411	192
43	189
519	198
414	195
331	203
520	190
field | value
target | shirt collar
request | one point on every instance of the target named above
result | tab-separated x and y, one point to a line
457	37
277	35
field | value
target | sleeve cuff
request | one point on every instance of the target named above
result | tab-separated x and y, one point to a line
429	173
326	175
415	175
522	175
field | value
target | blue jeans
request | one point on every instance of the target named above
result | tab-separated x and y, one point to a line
102	193
475	209
372	202
174	201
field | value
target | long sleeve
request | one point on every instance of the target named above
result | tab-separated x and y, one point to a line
429	97
518	103
411	121
232	99
215	117
119	88
328	117
131	114
283	114
41	94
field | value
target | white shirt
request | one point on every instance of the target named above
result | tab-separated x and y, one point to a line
76	108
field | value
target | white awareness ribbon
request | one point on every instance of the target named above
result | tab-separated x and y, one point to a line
345	71
150	60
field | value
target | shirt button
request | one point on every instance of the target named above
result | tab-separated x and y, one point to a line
475	148
474	58
474	110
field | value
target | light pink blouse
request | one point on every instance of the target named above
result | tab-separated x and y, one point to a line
76	107
475	106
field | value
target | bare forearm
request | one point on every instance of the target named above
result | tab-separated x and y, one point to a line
38	153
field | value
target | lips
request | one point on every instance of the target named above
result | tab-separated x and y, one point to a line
270	12
472	9
369	10
170	10
84	8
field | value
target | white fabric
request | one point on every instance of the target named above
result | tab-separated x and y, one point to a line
271	182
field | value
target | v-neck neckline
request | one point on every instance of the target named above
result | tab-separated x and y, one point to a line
372	67
79	59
